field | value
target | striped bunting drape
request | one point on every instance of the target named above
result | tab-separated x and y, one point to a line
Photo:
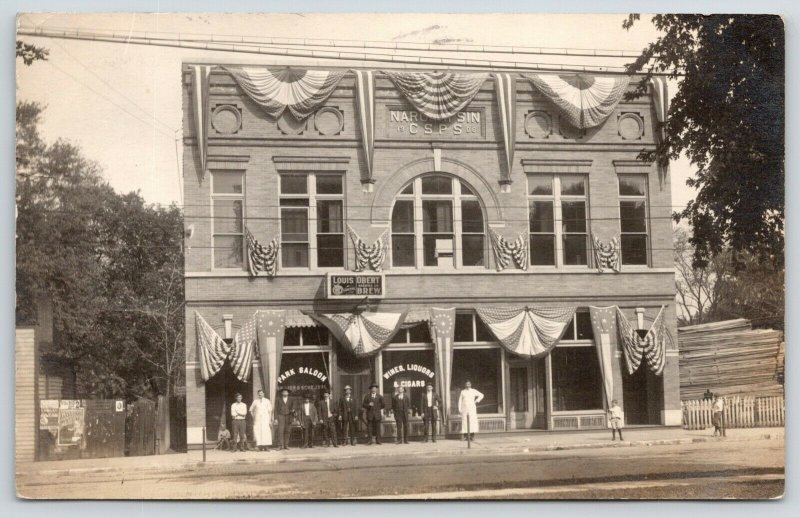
438	95
606	256
213	350
269	335
505	251
243	350
364	333
367	255
604	325
442	326
261	258
584	100
527	332
652	347
506	92
200	81
297	90
660	93
365	88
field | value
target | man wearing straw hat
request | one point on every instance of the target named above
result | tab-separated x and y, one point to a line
348	413
373	405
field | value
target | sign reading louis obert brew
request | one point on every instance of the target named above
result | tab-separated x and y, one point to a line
405	123
355	285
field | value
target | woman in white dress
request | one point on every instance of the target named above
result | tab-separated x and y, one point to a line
468	408
261	411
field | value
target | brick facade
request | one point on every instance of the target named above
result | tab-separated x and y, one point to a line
261	149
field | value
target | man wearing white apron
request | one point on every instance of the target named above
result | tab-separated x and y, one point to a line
468	408
261	410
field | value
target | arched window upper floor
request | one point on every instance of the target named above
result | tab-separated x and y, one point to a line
438	221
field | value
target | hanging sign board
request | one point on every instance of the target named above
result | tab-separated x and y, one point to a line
354	285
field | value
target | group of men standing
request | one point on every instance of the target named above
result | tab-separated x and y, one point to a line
334	418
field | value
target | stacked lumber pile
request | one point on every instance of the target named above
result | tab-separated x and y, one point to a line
730	358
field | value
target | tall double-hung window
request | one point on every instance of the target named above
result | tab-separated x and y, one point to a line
557	209
227	212
437	221
633	218
312	220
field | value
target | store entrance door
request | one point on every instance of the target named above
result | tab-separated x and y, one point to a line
526	394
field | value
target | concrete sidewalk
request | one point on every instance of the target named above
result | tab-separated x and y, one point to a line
501	443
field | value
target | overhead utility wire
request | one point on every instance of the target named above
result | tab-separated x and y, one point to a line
315	54
369	44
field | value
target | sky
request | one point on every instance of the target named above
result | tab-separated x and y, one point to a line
122	103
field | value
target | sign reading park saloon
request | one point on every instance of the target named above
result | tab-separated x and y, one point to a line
410	123
355	285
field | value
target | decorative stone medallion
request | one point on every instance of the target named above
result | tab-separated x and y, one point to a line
568	131
290	125
538	124
630	126
329	121
226	119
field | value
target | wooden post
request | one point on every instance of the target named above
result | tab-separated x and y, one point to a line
204	444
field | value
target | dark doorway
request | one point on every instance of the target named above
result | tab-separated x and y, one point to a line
221	391
642	394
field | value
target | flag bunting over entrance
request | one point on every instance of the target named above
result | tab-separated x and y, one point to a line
438	95
507	251
261	258
652	347
368	255
297	90
584	100
527	331
442	325
200	81
212	349
261	336
362	333
606	256
604	325
506	91
365	89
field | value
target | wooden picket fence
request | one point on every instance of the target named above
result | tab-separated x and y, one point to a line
740	412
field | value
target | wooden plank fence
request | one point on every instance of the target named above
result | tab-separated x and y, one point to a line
740	412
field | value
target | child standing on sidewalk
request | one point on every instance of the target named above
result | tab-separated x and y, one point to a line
615	420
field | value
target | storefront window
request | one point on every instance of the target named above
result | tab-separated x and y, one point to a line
305	373
482	368
411	369
577	384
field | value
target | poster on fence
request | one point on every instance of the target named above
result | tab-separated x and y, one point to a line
71	426
48	416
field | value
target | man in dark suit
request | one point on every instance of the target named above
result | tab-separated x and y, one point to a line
284	413
308	420
373	404
348	413
431	406
401	407
326	410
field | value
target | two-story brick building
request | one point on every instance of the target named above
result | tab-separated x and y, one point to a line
482	192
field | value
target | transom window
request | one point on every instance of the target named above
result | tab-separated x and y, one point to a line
633	218
312	220
227	205
557	219
437	221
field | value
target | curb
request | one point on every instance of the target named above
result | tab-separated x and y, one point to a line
190	466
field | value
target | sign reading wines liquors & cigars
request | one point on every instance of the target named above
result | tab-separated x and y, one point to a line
355	285
410	123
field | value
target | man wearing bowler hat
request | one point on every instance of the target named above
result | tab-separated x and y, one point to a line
348	413
327	416
284	413
431	406
401	407
373	404
308	420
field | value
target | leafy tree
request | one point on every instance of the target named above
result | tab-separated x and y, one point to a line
30	53
728	117
111	264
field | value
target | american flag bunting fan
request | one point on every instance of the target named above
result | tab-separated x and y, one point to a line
505	251
368	256
584	100
652	347
438	95
261	258
362	333
606	256
527	331
212	349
